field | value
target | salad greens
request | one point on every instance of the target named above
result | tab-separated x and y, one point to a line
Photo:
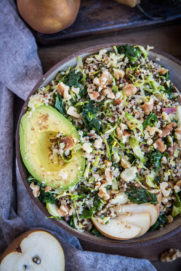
140	195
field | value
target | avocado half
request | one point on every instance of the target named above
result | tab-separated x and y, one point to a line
36	128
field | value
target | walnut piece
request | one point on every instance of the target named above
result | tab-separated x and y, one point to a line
170	255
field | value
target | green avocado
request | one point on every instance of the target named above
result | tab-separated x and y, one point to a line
37	129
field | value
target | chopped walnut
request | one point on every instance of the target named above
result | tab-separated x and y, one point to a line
106	78
68	141
119	133
98	143
129	174
94	95
153	130
108	93
108	176
129	89
87	147
35	190
162	71
103	193
170	255
117	101
118	74
165	189
64	210
47	188
169	219
178	134
167	129
96	81
177	186
125	163
64	91
160	145
72	111
148	107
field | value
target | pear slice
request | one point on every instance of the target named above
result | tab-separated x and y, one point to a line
117	228
35	250
139	208
143	220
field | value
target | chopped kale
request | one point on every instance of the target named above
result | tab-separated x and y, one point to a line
98	203
157	180
150	120
161	222
154	159
131	52
91	120
83	92
44	196
95	232
167	77
60	104
87	213
73	79
72	221
176	210
140	195
169	90
132	158
31	179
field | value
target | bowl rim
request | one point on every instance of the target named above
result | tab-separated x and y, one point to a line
87	237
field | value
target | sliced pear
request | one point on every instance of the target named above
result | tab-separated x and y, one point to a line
52	209
35	250
140	208
143	220
159	198
117	229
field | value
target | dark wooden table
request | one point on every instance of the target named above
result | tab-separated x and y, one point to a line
166	38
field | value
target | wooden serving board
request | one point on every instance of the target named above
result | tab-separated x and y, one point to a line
100	16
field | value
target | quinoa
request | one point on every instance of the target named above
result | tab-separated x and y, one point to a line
125	109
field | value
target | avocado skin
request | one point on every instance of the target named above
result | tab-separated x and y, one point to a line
36	126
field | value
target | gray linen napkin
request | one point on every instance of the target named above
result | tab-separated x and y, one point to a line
20	68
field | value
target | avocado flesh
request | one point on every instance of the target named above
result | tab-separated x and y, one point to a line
36	128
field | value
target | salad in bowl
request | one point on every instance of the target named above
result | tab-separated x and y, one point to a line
102	144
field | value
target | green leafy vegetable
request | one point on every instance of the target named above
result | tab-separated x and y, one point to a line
98	203
87	213
95	232
73	221
44	196
131	52
157	180
91	120
176	210
73	78
60	104
150	120
136	149
107	149
154	159
150	179
169	90
140	195
134	123
161	222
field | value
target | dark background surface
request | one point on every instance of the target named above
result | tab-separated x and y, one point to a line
100	16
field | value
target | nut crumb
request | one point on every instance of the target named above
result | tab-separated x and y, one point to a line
170	255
